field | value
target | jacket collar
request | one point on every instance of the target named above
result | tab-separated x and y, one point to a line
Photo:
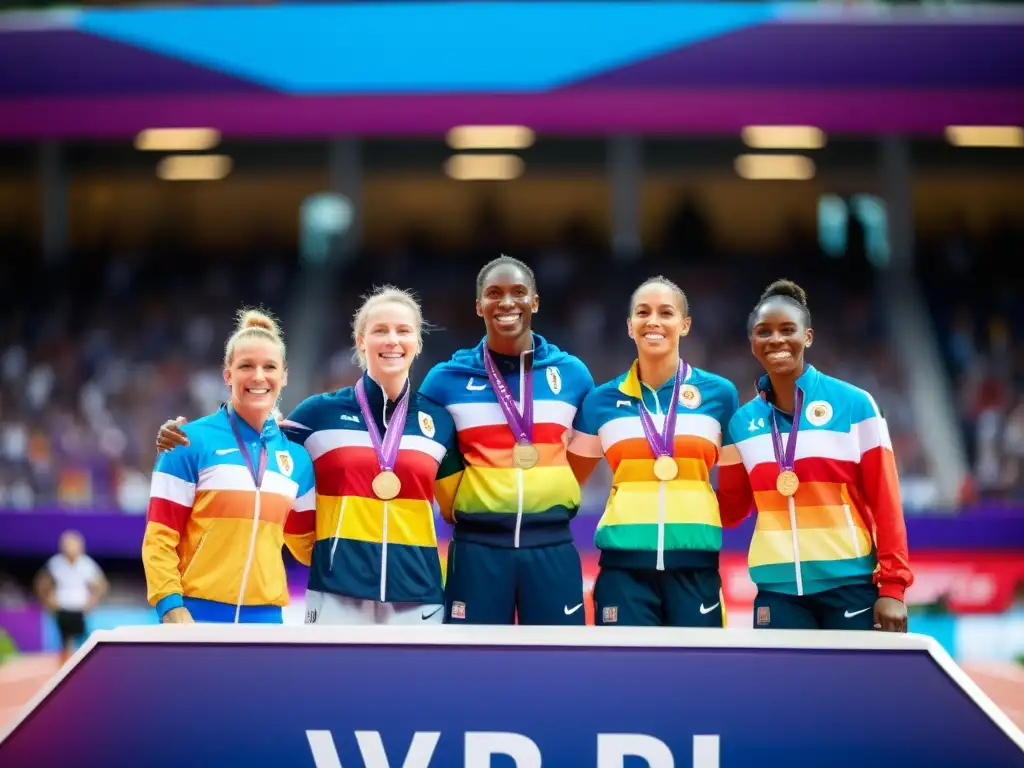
631	385
270	427
379	402
807	383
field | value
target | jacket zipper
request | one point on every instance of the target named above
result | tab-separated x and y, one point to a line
660	563
249	557
337	533
519	471
848	512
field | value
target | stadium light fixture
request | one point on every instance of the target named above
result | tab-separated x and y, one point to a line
484	167
1007	136
177	139
774	167
783	137
490	137
194	167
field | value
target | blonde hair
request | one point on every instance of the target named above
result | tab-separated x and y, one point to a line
253	324
385	294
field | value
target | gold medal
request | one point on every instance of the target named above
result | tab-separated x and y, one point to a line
787	483
665	468
386	485
525	455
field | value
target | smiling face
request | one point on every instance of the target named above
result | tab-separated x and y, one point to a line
256	374
390	340
779	337
507	302
657	321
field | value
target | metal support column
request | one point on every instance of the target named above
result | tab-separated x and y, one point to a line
54	183
625	169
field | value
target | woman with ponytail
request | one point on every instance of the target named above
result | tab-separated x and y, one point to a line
812	454
221	506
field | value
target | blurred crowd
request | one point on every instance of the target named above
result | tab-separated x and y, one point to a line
95	354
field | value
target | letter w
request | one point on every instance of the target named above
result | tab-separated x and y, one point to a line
371	748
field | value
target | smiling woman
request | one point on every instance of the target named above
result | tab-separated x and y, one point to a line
830	547
221	505
659	425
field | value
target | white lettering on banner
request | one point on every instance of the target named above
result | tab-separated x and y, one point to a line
481	746
614	748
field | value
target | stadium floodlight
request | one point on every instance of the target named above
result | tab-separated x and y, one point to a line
1005	136
774	167
484	167
177	139
783	137
194	167
490	137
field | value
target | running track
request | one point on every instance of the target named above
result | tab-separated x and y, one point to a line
23	676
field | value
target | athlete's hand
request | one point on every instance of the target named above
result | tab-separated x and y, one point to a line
170	435
178	616
890	615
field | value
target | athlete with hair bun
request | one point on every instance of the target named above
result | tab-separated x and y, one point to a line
378	448
660	426
813	454
222	505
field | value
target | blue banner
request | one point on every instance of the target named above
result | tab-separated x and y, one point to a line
250	696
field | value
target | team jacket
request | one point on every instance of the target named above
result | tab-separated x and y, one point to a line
365	547
210	533
497	503
821	538
649	523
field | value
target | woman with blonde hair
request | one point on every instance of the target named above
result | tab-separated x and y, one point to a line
222	504
379	452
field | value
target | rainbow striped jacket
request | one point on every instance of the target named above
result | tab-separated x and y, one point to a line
650	523
496	503
210	533
845	524
365	547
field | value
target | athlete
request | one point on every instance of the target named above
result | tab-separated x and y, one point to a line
513	398
377	449
221	506
660	426
813	454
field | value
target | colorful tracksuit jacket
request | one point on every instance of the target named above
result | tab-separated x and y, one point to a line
497	503
650	523
845	524
210	532
365	547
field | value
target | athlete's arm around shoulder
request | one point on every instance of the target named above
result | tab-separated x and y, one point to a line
735	496
584	451
171	496
300	423
300	525
436	386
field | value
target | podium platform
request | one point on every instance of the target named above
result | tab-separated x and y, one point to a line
386	697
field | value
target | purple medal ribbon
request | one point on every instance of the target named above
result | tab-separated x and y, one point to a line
257	476
663	444
386	449
787	460
521	425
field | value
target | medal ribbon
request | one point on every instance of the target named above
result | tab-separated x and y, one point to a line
662	444
521	425
257	475
386	449
787	460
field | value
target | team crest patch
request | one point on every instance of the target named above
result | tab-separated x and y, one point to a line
284	463
610	614
818	413
689	396
426	424
554	379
